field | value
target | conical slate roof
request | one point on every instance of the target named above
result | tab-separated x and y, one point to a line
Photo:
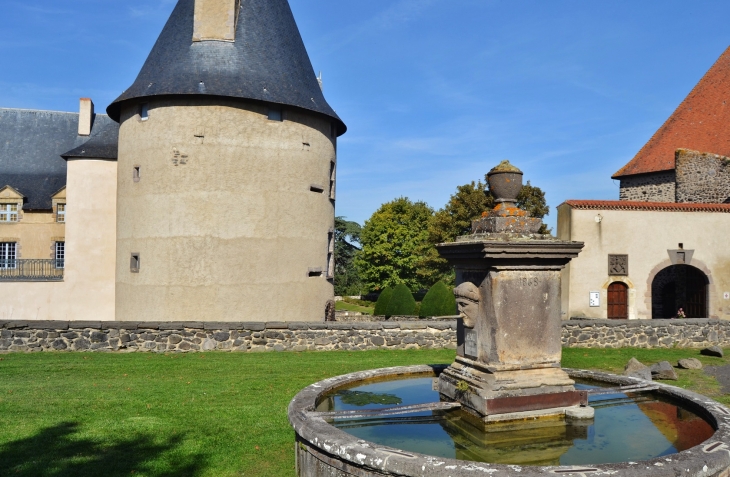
266	62
701	123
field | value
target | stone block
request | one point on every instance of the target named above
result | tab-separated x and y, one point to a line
221	336
294	326
172	325
16	325
209	345
689	363
663	370
50	325
254	326
98	337
277	325
412	325
193	325
80	325
339	326
216	326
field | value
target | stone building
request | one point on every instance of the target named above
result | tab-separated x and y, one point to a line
212	199
661	250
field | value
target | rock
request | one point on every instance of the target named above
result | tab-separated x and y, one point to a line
663	370
221	336
712	351
59	345
635	369
98	337
377	340
174	339
208	345
690	363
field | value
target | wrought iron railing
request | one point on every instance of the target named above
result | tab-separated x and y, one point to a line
31	270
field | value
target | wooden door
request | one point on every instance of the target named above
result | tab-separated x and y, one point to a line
618	301
696	294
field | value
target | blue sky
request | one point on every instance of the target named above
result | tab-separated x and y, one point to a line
434	92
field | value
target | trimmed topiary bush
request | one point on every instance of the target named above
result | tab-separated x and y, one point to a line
381	306
439	301
401	303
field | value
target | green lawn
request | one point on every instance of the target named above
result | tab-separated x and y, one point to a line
342	306
213	414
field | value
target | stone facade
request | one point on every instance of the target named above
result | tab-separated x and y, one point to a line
702	177
653	187
30	336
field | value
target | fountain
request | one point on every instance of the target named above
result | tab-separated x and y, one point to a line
505	406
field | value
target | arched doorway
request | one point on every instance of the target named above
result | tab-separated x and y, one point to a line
618	301
679	286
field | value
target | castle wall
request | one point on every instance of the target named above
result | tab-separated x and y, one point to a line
647	237
654	187
230	216
702	177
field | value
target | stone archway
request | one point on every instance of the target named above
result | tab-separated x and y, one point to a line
680	286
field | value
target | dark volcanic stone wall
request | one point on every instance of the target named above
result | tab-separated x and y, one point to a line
654	187
702	177
29	336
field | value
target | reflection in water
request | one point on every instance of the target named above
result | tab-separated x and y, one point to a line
625	428
362	398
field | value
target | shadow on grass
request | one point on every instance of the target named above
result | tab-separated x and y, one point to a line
56	452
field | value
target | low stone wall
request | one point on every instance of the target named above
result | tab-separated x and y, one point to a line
298	336
685	333
245	337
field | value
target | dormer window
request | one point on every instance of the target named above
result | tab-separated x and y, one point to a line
144	111
275	114
61	213
8	212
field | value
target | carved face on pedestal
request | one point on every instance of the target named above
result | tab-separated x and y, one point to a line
467	300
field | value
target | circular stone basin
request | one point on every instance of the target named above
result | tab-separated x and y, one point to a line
344	427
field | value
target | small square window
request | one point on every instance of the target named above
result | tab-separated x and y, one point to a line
144	111
134	263
61	213
275	114
8	212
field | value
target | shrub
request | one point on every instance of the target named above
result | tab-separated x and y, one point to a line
355	301
439	301
381	306
401	303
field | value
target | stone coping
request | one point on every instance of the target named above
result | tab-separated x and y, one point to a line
332	447
329	325
242	325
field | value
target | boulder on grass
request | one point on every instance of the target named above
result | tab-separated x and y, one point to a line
690	363
635	369
663	370
712	351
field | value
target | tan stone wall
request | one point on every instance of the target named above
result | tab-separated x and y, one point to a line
35	233
91	238
646	236
223	217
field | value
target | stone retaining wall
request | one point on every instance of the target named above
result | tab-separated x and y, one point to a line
298	336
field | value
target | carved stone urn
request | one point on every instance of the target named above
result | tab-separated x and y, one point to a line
505	182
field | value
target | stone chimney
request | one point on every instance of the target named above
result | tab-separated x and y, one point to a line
215	20
86	116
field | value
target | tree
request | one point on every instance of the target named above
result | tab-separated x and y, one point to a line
391	242
465	206
347	279
401	303
439	301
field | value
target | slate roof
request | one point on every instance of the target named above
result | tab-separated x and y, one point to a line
652	206
701	122
267	62
103	143
31	144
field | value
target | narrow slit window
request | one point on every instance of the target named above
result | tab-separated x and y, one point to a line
330	255
136	173
314	272
61	213
144	111
134	263
332	180
275	114
60	254
316	188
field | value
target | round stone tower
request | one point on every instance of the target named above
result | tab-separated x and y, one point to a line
226	179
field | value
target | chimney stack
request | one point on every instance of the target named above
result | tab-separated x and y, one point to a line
86	116
215	20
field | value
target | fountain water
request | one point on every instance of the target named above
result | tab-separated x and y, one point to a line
505	407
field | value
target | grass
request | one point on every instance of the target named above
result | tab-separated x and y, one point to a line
212	414
343	306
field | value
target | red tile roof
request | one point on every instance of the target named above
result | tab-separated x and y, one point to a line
701	122
654	206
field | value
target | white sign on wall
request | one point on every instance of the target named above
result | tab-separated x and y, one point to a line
594	298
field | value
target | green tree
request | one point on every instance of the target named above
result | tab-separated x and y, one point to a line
391	242
401	303
439	301
468	204
347	279
381	306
